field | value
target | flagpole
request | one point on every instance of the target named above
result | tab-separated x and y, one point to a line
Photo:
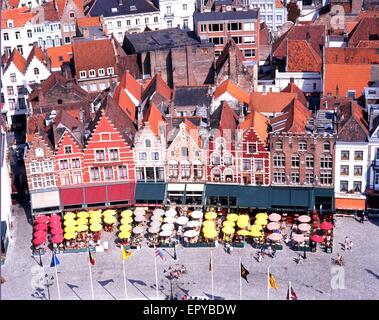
56	275
90	275
268	283
289	291
240	266
213	296
123	269
156	276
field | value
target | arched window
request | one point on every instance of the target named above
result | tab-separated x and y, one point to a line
216	174
57	41
228	159
40	42
228	175
36	71
215	159
279	145
220	144
147	143
49	42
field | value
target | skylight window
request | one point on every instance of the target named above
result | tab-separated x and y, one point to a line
114	10
133	8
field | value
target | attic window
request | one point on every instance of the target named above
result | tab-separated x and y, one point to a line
114	10
60	58
133	8
92	73
59	101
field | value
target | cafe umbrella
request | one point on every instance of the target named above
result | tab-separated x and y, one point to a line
210	233
70	229
58	238
153	229
165	233
126	220
197	214
228	230
182	220
317	238
169	219
139	218
125	227
41	219
243	233
193	224
326	226
70	223
82	214
95	220
304	219
210	215
209	223
168	226
82	228
39	241
232	217
40	227
124	235
228	223
274	217
137	230
40	234
110	220
82	221
273	226
275	237
261	215
304	227
191	233
56	231
242	223
126	213
159	212
69	215
96	227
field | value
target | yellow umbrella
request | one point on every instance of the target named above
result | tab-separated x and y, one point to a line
228	230
95	220
70	229
95	214
242	223
110	219
126	220
211	215
232	217
261	222
243	233
228	223
210	234
69	215
82	221
96	227
255	233
208	224
244	217
81	228
69	236
70	223
256	227
126	213
125	227
261	215
109	212
124	235
206	229
83	214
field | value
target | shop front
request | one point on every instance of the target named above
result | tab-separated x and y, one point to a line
185	194
350	205
45	202
152	193
222	195
4	240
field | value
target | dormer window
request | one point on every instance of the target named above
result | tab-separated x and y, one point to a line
10	24
110	71
92	73
101	72
67	149
72	14
83	74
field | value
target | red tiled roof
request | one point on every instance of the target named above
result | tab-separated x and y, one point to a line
235	91
366	28
14	3
94	54
367	44
293	88
62	3
59	55
49	12
225	54
264	34
353	124
88	22
345	56
157	85
257	121
271	102
302	58
294	118
278	4
20	17
228	118
313	34
38	53
18	60
154	117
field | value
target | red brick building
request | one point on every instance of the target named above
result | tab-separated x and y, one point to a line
219	24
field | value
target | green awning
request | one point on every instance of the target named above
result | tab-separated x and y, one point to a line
254	196
300	197
280	197
221	190
3	229
150	191
324	192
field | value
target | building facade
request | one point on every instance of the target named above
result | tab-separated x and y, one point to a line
273	12
176	13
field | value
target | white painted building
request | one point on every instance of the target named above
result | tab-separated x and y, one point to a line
372	97
308	82
31	3
17	75
273	12
373	153
5	192
177	13
121	16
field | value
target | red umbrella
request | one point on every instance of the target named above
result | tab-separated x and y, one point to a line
38	241
317	238
326	226
57	231
40	227
57	238
55	224
41	219
40	234
55	218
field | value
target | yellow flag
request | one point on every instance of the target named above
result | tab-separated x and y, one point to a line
272	282
125	254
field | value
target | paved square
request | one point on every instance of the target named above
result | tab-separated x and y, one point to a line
313	280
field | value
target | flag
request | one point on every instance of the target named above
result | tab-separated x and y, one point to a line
125	254
272	282
54	261
210	264
244	272
91	258
159	253
291	295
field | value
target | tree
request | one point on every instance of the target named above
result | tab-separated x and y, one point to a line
293	12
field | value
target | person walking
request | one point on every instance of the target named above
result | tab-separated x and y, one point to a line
351	245
260	256
347	241
300	260
269	251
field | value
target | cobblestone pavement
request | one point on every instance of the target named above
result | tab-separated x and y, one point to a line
312	280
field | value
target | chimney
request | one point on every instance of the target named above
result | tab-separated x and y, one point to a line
120	2
307	36
337	90
292	80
